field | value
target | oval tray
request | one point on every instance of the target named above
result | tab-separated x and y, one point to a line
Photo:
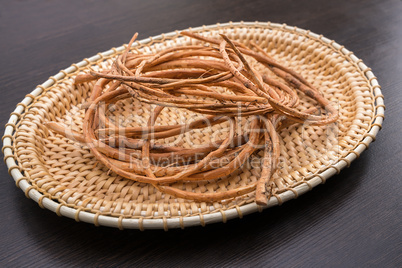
63	177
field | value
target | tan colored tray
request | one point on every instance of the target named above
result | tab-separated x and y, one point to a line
63	176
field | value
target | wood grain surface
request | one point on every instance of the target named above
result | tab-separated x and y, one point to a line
353	220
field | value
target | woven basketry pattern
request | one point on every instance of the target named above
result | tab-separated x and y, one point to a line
66	172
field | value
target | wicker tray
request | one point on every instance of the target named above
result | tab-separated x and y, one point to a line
62	176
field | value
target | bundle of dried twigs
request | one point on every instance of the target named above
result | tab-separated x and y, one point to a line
214	78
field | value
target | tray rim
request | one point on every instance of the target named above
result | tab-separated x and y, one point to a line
200	219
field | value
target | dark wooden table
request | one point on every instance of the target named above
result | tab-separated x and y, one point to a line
354	220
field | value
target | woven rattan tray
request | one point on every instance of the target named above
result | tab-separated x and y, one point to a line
62	176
